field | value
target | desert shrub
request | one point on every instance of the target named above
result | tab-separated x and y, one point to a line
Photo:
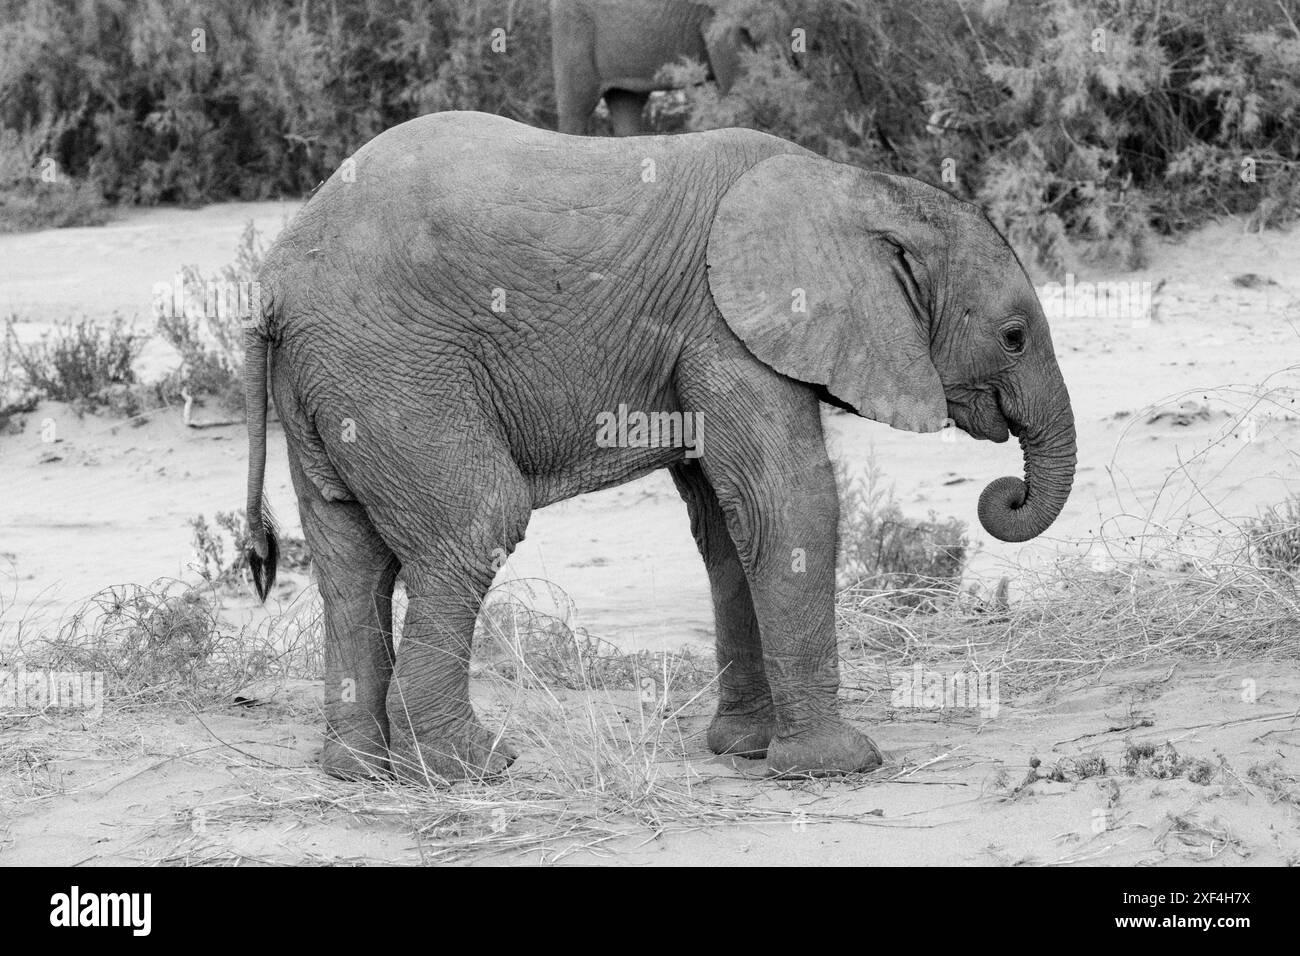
34	192
208	332
1185	592
1145	759
165	641
209	545
881	549
9	412
185	101
1072	121
1068	120
1274	537
1088	121
31	204
530	648
16	395
80	361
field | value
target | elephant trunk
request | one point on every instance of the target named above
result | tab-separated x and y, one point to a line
1014	510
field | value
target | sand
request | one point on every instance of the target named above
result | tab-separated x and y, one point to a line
1170	428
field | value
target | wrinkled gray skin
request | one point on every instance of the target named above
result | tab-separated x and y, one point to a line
614	49
424	427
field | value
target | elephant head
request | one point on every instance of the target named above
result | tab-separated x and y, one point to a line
903	304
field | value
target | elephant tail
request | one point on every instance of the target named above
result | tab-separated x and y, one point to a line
262	549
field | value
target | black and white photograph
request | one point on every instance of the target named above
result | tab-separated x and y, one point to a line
650	433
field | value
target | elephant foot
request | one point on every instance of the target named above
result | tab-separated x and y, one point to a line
467	752
826	750
359	760
742	735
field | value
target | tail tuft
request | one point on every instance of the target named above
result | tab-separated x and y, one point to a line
263	553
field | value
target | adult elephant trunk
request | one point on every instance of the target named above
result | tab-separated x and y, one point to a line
1014	510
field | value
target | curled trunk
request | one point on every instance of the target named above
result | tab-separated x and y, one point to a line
1012	509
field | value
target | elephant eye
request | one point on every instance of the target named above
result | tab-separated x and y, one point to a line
1013	339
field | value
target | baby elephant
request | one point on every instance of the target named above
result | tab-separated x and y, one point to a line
474	318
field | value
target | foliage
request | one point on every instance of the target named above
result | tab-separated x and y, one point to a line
34	192
185	101
165	641
1068	120
80	361
1274	538
882	549
208	330
1071	121
209	544
93	363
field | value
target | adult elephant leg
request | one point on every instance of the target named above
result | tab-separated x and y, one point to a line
764	455
625	111
744	723
577	82
724	56
355	572
576	96
450	546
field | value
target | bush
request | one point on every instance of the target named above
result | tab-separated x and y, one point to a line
208	333
1274	537
1068	120
165	641
34	193
187	101
1072	121
209	545
16	396
80	361
30	205
882	550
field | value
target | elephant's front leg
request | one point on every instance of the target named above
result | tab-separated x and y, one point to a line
786	534
764	455
744	723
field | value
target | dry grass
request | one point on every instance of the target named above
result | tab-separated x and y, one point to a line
516	815
1179	578
605	756
162	642
1073	620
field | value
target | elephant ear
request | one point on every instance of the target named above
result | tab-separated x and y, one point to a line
818	268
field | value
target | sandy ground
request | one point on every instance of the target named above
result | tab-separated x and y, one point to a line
241	786
1188	417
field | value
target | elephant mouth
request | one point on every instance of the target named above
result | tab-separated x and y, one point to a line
1009	421
980	414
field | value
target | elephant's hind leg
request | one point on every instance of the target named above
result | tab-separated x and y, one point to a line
450	550
744	723
355	572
